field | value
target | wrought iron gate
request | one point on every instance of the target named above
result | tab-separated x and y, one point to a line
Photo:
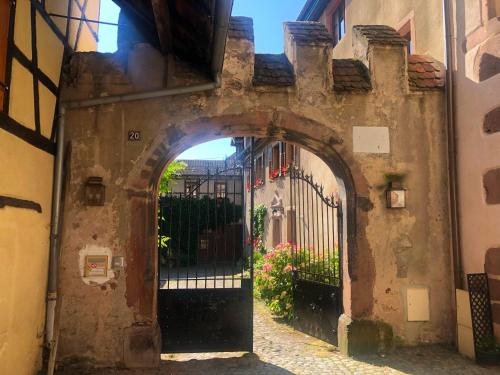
205	272
317	231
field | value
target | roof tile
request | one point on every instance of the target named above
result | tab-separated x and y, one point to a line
274	70
309	32
425	73
350	75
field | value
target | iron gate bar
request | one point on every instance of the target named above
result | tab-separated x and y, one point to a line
317	272
204	312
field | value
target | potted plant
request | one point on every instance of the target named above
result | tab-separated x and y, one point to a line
487	351
274	174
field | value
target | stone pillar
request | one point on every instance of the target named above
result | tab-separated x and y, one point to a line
308	46
384	52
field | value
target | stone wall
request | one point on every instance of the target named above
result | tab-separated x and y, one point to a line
389	127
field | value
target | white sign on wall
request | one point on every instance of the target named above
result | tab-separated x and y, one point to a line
371	139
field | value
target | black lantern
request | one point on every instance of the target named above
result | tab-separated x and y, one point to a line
94	192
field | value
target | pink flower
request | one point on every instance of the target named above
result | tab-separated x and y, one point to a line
288	268
267	267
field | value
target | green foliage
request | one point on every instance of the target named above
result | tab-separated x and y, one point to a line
273	280
173	170
259	216
186	219
273	275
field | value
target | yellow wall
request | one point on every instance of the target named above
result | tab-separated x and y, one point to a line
26	173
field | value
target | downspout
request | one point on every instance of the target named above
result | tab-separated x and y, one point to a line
223	15
55	231
452	145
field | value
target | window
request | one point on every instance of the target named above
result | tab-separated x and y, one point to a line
220	189
259	171
191	187
406	31
4	35
274	161
276	231
338	23
290	229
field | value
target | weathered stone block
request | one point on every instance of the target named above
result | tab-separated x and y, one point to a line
364	336
141	347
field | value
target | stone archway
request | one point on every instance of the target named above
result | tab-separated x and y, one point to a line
353	114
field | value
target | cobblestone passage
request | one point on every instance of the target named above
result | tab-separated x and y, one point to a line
280	350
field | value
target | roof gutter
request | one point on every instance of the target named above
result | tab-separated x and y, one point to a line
223	10
312	10
222	18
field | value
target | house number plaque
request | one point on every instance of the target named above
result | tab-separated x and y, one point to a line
134	135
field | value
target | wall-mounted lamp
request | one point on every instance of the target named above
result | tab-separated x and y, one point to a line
395	197
95	192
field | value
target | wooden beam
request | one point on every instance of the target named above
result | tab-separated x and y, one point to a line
163	24
19	203
30	136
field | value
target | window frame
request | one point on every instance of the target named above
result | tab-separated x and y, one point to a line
406	28
220	195
338	22
189	182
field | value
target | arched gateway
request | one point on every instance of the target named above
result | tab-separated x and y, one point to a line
370	118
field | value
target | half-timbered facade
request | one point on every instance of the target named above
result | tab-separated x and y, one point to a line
33	44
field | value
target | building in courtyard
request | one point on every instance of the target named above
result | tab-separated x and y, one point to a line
472	40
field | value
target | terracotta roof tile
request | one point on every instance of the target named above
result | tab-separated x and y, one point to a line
241	28
309	32
425	73
273	70
350	75
380	34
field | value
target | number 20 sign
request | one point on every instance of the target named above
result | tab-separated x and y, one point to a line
134	135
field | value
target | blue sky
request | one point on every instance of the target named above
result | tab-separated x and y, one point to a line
268	17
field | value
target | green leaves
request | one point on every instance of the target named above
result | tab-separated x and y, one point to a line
173	170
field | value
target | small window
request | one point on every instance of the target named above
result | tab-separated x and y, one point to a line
338	23
274	161
406	31
290	226
220	189
4	36
259	171
191	187
276	231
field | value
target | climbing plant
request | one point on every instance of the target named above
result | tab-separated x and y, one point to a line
259	216
173	170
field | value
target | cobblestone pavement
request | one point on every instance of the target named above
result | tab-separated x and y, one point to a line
279	350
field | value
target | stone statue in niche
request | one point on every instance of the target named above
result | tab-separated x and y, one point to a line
277	206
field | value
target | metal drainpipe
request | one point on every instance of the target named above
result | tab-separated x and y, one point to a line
223	11
452	150
55	231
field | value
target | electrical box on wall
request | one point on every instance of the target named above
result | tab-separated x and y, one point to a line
417	304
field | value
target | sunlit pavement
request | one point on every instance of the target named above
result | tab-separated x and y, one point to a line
280	350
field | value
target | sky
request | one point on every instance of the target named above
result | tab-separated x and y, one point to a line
268	17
